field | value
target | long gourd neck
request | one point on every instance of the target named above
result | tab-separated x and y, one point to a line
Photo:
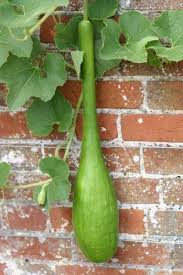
90	129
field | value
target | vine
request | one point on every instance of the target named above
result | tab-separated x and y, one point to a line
39	72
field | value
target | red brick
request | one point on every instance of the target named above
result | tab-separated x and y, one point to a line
172	191
96	270
163	161
47	32
165	95
20	128
162	128
107	126
61	219
110	94
132	221
122	159
132	69
144	253
132	190
50	248
166	223
2	268
13	125
25	218
21	158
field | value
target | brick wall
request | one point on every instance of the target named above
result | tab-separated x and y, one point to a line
140	113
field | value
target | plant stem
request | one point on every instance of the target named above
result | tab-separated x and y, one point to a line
72	131
70	66
37	25
85	9
30	185
33	29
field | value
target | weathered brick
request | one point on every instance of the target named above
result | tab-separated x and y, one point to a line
25	218
122	160
155	5
132	69
117	159
177	256
21	157
163	161
132	190
172	191
152	128
13	125
165	95
132	221
28	268
107	126
144	253
96	270
50	248
168	223
61	219
110	94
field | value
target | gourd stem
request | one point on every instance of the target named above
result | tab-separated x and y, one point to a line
72	131
85	9
30	185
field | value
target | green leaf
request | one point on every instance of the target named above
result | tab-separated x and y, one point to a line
67	34
38	50
153	59
25	13
59	188
10	44
136	29
169	28
42	116
58	191
102	9
33	79
4	173
77	57
102	65
54	167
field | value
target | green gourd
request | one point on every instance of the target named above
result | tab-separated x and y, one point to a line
95	213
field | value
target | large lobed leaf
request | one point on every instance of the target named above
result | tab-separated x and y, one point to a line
42	116
169	28
9	44
37	76
25	13
136	29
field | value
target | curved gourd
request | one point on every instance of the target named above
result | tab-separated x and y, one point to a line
95	213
